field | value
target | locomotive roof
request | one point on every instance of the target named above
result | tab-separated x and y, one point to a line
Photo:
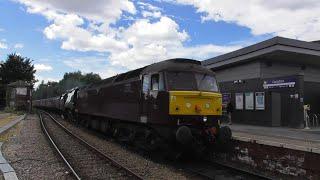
178	64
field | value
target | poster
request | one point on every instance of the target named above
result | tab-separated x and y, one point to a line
239	101
249	101
260	101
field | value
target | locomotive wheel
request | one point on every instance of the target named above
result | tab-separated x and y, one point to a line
151	142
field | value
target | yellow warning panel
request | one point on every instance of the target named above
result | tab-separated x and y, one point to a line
195	103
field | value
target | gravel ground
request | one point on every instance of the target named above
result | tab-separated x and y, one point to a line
146	168
30	154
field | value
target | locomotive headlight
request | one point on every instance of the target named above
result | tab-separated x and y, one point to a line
205	118
207	105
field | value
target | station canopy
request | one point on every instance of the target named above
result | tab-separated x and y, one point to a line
275	49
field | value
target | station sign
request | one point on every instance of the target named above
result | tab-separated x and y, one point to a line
287	82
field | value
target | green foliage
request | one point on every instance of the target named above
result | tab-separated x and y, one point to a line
9	109
69	81
17	68
13	110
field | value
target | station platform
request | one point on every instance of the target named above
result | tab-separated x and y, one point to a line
296	139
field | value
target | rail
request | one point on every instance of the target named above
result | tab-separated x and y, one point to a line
113	161
44	129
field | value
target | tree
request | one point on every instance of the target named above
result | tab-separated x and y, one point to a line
69	81
17	68
91	78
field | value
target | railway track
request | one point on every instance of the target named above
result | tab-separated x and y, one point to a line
83	160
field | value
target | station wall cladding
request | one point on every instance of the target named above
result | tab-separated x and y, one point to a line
271	161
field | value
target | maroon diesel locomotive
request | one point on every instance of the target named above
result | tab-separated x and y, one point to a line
176	101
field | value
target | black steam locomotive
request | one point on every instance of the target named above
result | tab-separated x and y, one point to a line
176	101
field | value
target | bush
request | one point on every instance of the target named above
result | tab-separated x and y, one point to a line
13	111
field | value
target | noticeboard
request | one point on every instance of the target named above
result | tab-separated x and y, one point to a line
249	101
239	101
260	104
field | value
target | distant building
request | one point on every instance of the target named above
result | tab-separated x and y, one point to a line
19	95
269	82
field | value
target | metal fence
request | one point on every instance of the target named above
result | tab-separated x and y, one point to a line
312	120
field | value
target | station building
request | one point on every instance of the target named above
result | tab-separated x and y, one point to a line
270	82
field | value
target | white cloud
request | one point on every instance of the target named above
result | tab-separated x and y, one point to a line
153	38
289	18
42	67
3	45
93	64
152	42
44	79
107	11
67	27
1	29
155	14
148	10
18	46
148	6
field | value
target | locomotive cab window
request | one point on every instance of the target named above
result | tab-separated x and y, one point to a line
155	82
191	81
146	84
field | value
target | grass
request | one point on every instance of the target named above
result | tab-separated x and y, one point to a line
12	110
11	132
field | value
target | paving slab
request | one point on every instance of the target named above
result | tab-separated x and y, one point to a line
298	139
10	176
2	159
6	168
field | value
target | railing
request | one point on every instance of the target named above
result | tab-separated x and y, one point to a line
312	120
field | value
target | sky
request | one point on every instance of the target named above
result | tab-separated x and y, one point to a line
113	36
